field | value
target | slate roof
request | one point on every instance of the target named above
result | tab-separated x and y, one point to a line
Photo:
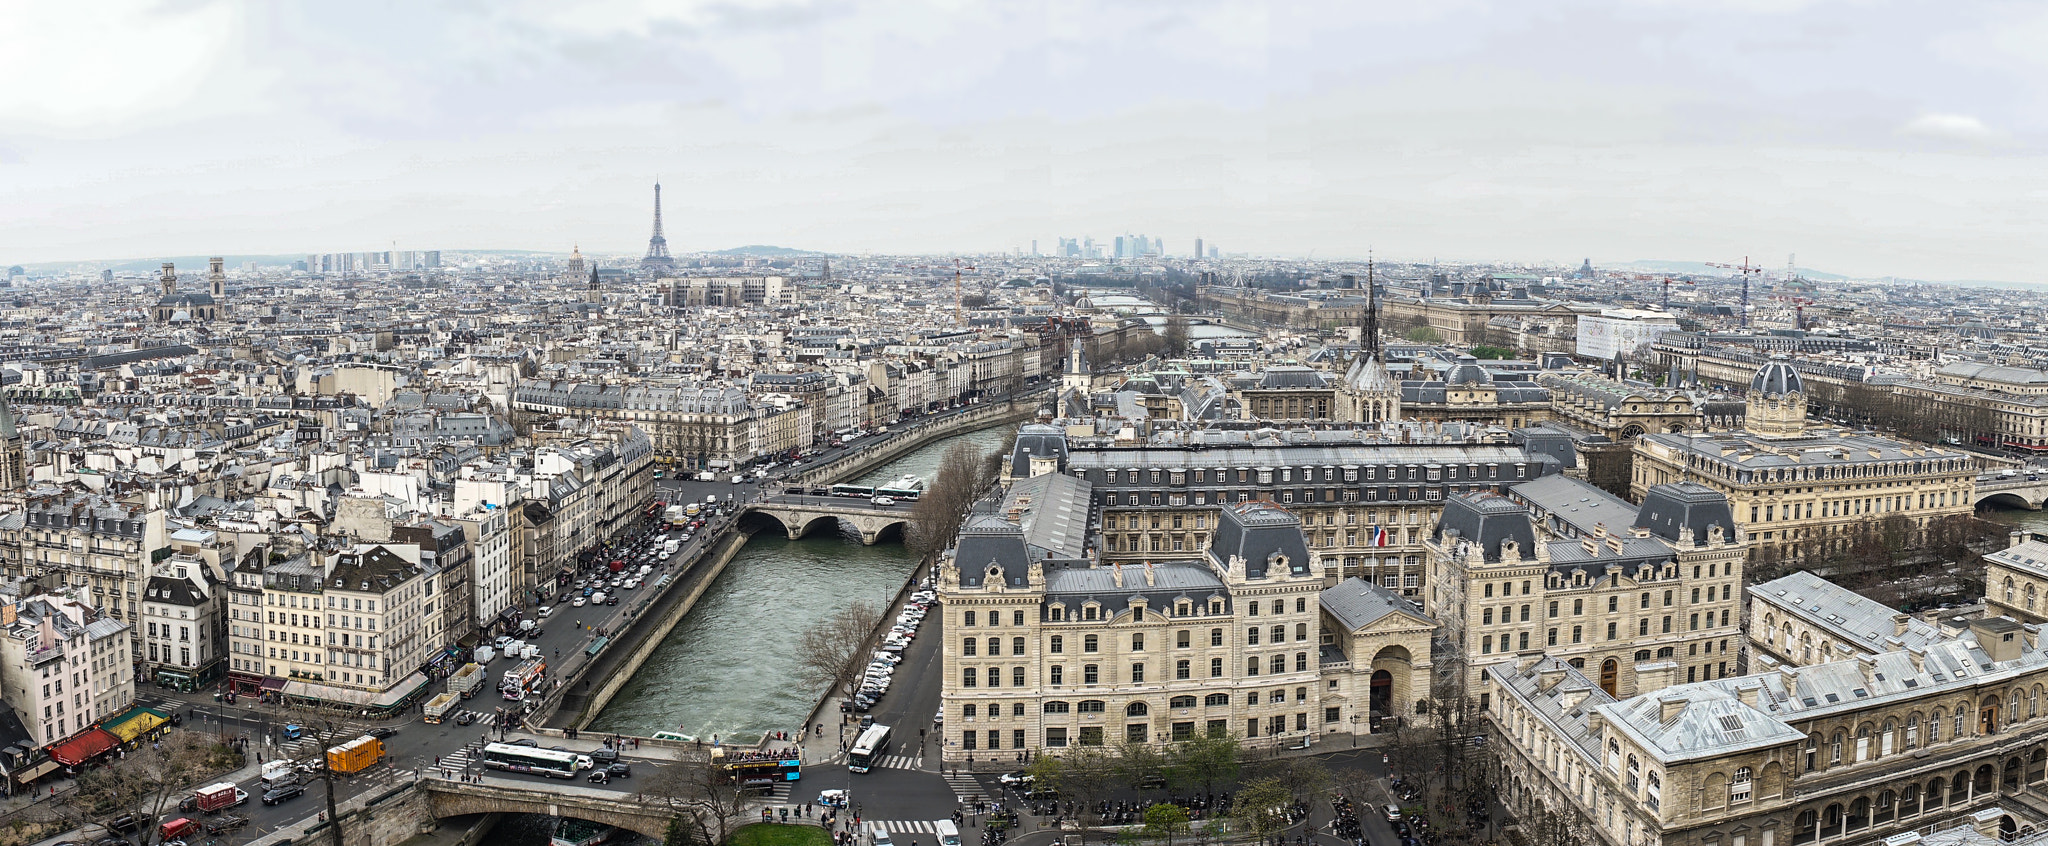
1053	511
1845	614
1357	603
1261	533
2030	556
1487	519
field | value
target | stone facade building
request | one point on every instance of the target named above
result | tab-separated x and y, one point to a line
1851	750
1792	486
1556	567
1365	505
1048	648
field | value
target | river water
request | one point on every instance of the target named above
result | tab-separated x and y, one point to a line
2031	521
726	669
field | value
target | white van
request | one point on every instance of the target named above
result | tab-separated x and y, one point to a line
949	834
879	837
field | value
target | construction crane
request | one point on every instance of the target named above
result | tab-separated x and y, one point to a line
1747	270
959	312
1667	290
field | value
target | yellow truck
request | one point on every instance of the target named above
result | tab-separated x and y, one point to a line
355	755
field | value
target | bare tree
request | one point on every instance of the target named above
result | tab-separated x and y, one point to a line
961	476
831	652
148	781
696	791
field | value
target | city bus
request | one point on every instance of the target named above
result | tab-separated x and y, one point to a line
862	491
528	759
754	770
868	749
905	489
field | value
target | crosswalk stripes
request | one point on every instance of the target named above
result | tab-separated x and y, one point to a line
964	786
898	762
897	828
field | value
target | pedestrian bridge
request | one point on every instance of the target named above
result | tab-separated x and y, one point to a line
2011	492
447	797
800	515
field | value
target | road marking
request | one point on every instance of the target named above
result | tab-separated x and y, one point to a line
895	827
965	787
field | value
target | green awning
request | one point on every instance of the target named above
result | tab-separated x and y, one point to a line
597	646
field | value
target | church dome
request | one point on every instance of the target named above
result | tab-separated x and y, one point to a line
1467	372
1778	377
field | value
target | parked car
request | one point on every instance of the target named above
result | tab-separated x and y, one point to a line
619	769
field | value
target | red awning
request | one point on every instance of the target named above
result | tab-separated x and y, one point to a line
82	747
2017	445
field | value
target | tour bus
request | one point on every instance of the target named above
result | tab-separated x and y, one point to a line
755	771
528	759
868	749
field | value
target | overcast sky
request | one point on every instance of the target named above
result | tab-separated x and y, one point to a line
1871	138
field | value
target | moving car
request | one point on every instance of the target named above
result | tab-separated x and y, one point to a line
1019	778
285	793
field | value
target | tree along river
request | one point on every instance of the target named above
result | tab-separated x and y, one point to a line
727	668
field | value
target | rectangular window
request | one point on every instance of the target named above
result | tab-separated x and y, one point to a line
1056	737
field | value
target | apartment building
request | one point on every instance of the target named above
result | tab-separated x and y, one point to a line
63	664
380	628
183	604
98	544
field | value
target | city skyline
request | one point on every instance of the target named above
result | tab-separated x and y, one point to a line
1871	139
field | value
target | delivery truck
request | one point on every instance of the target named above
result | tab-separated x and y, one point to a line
438	707
467	681
215	797
355	755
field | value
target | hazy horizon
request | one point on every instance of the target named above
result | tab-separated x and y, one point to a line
1873	139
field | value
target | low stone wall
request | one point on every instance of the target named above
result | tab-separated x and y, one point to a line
645	638
1022	407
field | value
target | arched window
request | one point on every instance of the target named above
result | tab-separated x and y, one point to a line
1181	702
1805	827
1215	699
1056	707
1089	706
1738	789
1137	709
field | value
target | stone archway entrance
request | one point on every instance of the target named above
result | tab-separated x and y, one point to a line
1381	703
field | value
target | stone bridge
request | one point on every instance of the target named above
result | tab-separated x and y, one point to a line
801	515
451	798
2012	491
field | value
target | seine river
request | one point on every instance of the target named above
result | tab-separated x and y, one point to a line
726	668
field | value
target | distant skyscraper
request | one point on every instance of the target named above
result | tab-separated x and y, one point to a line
1034	246
1198	249
657	260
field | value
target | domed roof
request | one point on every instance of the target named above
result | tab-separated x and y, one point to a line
1467	372
1778	377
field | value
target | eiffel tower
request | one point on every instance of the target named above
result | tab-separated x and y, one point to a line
657	260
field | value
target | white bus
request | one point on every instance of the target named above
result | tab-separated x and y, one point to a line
528	759
868	749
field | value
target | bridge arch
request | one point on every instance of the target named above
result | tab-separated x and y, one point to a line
2008	499
447	798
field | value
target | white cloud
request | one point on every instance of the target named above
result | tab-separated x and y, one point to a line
1953	127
